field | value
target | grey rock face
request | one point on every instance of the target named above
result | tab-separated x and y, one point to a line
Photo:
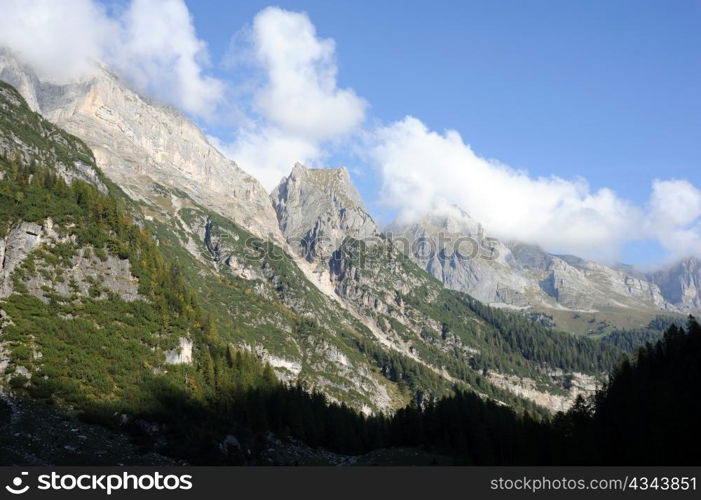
681	284
181	355
519	275
453	248
14	248
318	208
87	274
139	143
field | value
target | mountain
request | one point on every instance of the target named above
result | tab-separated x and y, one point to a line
107	355
93	320
681	284
304	279
151	288
408	311
211	219
142	145
572	293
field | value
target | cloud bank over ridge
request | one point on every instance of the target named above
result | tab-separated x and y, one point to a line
144	42
422	169
295	110
297	107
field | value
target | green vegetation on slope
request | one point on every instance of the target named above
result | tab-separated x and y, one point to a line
481	338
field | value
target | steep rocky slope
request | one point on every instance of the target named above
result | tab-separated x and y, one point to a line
574	294
681	284
407	310
139	144
82	314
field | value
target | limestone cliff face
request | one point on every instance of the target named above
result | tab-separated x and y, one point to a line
681	284
451	246
139	143
318	208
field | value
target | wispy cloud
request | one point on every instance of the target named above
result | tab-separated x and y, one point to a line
296	107
151	43
422	169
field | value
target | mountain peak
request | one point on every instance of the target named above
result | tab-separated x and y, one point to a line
141	143
320	203
335	182
299	169
453	219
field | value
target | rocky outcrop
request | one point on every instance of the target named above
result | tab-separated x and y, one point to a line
681	284
318	208
451	246
181	355
86	274
575	384
14	248
139	143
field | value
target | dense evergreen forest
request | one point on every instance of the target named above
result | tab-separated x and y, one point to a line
647	414
630	340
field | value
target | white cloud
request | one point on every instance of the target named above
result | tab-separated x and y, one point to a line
58	39
673	217
422	169
152	43
301	96
297	112
298	107
268	154
161	53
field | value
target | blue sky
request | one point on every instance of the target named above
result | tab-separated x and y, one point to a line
604	90
573	125
607	90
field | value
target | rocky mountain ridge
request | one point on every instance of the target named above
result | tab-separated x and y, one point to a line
453	247
680	283
139	144
304	279
400	303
